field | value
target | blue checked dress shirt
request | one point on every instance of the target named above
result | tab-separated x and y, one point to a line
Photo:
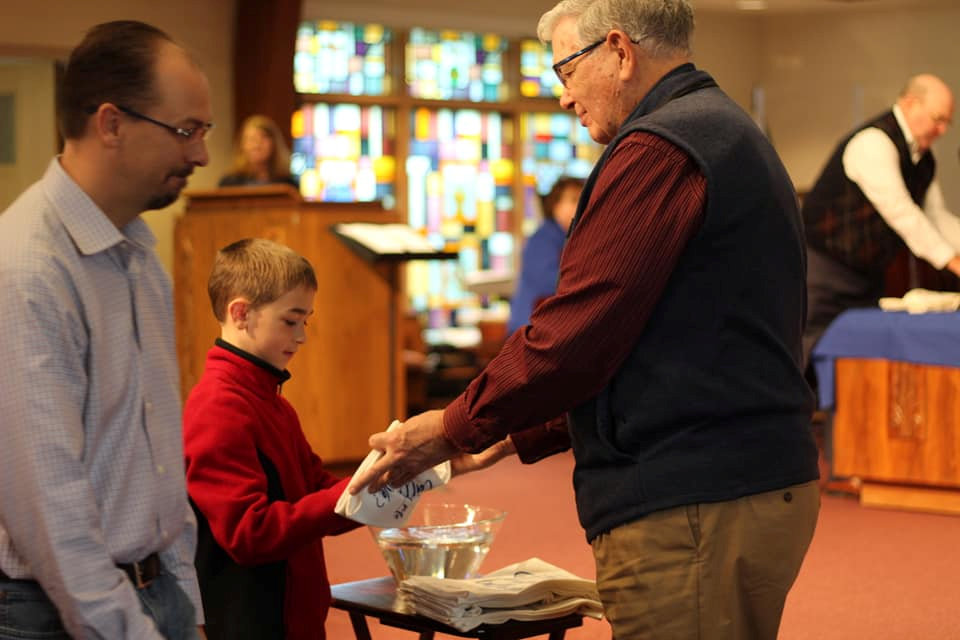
91	452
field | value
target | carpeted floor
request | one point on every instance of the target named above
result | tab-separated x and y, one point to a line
870	574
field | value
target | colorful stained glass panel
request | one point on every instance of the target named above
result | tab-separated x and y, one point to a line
344	153
455	65
460	175
341	57
537	79
554	145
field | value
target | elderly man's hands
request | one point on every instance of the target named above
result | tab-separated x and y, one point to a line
417	445
413	447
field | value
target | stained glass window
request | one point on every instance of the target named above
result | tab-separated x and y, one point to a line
537	79
455	65
341	57
344	152
554	145
460	169
460	175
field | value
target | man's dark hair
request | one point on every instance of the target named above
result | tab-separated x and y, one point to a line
114	63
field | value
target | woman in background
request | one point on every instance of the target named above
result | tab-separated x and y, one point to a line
261	155
541	256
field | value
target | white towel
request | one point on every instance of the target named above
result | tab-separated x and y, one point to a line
528	590
389	507
923	301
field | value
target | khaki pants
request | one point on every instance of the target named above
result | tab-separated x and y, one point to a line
712	571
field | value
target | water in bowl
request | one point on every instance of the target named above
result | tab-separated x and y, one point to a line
454	552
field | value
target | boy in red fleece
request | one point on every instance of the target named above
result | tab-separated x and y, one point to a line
262	497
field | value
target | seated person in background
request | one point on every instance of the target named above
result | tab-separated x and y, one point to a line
541	257
262	497
876	194
260	156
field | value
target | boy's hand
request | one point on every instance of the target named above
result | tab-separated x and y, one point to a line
467	462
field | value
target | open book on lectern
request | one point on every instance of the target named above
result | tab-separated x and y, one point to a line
389	241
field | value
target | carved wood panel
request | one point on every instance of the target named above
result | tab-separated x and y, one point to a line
897	422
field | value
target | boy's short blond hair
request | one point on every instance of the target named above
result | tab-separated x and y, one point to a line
257	269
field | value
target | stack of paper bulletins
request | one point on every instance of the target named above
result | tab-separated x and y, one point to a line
528	590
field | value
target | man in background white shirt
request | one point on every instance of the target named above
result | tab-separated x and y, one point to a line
877	194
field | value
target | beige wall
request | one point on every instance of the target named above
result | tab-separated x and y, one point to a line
47	29
728	45
30	81
824	73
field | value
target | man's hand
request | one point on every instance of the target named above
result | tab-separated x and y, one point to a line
413	447
954	265
467	462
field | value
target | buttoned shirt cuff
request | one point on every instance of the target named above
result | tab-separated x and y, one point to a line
461	432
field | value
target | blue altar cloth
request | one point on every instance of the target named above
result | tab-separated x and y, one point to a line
926	338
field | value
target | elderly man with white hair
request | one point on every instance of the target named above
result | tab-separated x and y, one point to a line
672	346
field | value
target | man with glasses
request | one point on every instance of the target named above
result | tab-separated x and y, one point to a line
672	344
96	535
876	195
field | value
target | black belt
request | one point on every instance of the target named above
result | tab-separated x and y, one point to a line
141	573
144	572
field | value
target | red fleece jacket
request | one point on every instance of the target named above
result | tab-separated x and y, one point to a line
235	409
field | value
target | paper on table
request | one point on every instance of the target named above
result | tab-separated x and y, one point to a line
528	590
389	507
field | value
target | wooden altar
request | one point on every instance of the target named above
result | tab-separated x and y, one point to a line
897	428
348	378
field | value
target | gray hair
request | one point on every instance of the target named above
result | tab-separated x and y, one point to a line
661	27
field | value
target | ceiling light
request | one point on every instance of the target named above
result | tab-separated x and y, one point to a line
751	5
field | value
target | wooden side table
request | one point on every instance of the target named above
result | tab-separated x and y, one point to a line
377	598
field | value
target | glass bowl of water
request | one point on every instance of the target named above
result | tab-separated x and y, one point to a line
440	540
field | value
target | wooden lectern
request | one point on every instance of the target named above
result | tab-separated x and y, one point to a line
348	378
